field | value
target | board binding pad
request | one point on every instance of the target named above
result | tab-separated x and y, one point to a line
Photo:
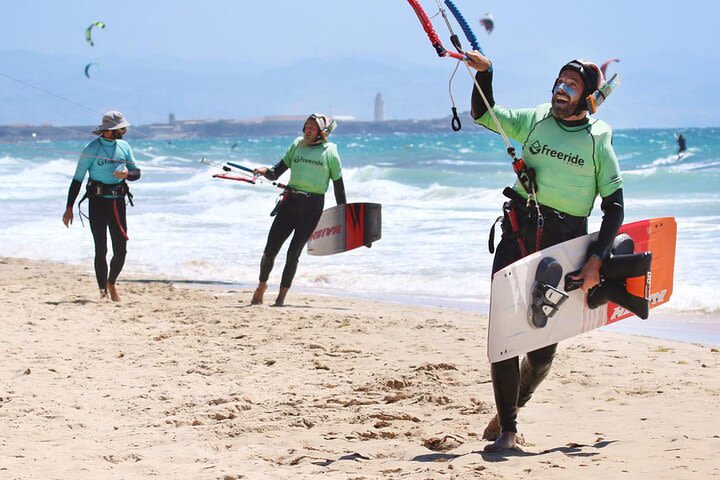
511	331
346	227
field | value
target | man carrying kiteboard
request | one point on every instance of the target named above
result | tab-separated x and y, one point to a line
313	161
109	162
569	161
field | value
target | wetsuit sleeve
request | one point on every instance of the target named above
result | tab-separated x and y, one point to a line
478	107
339	188
133	174
73	192
613	214
275	172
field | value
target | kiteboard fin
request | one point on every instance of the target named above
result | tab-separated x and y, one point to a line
546	298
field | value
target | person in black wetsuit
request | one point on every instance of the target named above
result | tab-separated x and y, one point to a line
574	162
313	161
682	145
109	161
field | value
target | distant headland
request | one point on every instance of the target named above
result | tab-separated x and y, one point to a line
264	126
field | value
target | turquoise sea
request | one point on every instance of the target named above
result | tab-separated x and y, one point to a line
440	194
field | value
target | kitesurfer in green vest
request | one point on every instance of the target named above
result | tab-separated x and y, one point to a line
573	161
313	161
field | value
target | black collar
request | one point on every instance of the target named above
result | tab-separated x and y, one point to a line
573	123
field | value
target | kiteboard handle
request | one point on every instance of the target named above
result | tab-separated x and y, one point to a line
572	283
232	164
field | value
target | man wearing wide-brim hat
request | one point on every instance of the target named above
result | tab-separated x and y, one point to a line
109	162
112	122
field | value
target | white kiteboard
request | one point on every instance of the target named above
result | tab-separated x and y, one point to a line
345	227
513	330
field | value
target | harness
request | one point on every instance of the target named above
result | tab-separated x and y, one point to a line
285	195
117	191
520	216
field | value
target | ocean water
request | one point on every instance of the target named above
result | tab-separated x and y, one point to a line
440	193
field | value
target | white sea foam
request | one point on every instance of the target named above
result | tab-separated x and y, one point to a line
435	227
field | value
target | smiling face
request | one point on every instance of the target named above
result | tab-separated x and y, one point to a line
567	93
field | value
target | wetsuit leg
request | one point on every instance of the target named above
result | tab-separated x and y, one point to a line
514	386
281	228
119	244
307	220
100	216
505	374
533	370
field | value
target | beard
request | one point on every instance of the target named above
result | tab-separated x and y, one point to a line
309	141
564	109
117	134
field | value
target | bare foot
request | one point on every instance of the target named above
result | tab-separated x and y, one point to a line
257	298
492	431
113	292
505	441
103	294
280	300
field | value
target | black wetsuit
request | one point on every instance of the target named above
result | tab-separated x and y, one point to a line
102	219
100	159
298	212
682	145
514	384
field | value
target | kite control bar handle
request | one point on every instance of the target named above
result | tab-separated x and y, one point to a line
232	164
457	56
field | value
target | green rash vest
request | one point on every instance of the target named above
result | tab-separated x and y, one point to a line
573	165
312	167
100	157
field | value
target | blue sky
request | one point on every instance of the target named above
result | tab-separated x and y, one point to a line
200	59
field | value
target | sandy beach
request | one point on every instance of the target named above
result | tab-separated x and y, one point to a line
190	383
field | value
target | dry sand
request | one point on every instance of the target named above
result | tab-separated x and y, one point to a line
183	383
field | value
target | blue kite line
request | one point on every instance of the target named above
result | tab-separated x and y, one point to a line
465	27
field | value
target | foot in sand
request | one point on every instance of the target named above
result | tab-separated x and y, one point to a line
113	292
103	294
280	300
506	441
257	298
492	431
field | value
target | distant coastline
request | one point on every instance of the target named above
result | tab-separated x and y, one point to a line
262	127
186	129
